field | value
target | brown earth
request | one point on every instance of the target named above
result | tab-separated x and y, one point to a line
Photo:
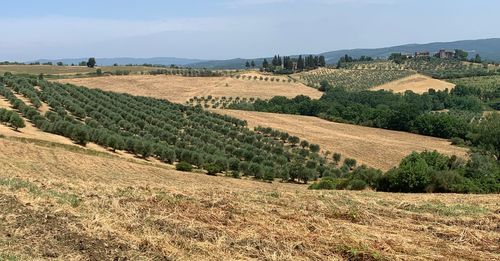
66	205
180	89
416	83
374	147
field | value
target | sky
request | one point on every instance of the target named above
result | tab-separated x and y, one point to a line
224	29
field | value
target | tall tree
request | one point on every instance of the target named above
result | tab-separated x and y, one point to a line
252	64
91	62
247	64
300	63
478	59
322	61
265	64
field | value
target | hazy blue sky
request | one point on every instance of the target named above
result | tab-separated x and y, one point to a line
221	29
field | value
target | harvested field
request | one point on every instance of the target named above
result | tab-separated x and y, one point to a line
180	89
416	83
59	204
374	147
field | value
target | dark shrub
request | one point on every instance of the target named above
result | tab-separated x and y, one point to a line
184	166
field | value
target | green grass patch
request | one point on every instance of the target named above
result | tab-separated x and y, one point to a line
62	197
8	257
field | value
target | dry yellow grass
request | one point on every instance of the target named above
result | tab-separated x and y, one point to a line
416	83
63	205
180	89
377	148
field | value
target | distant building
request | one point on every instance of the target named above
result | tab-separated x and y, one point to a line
422	54
443	54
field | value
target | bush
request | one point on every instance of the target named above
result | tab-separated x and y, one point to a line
357	184
184	166
327	183
212	168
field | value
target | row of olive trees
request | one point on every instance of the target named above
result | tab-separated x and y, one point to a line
170	132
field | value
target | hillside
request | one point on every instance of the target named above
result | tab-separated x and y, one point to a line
180	89
72	205
489	49
416	83
377	148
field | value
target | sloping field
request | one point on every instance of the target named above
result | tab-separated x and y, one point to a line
416	83
30	132
180	89
374	147
64	205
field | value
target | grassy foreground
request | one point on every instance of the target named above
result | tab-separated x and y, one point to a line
68	204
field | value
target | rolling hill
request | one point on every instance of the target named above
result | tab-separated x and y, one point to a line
489	49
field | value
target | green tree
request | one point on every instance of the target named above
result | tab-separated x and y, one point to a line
300	63
91	62
16	121
486	134
336	158
80	135
265	64
294	140
461	55
350	163
478	59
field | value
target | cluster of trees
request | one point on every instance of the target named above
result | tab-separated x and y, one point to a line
424	172
187	72
172	133
250	64
287	64
348	59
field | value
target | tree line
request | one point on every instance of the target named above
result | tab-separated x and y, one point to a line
287	64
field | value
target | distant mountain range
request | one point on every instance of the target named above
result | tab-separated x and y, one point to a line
127	60
489	49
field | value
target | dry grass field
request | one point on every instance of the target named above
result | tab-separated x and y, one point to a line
374	147
180	89
71	205
416	83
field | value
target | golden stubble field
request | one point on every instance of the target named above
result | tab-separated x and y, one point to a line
180	89
64	205
416	83
374	147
